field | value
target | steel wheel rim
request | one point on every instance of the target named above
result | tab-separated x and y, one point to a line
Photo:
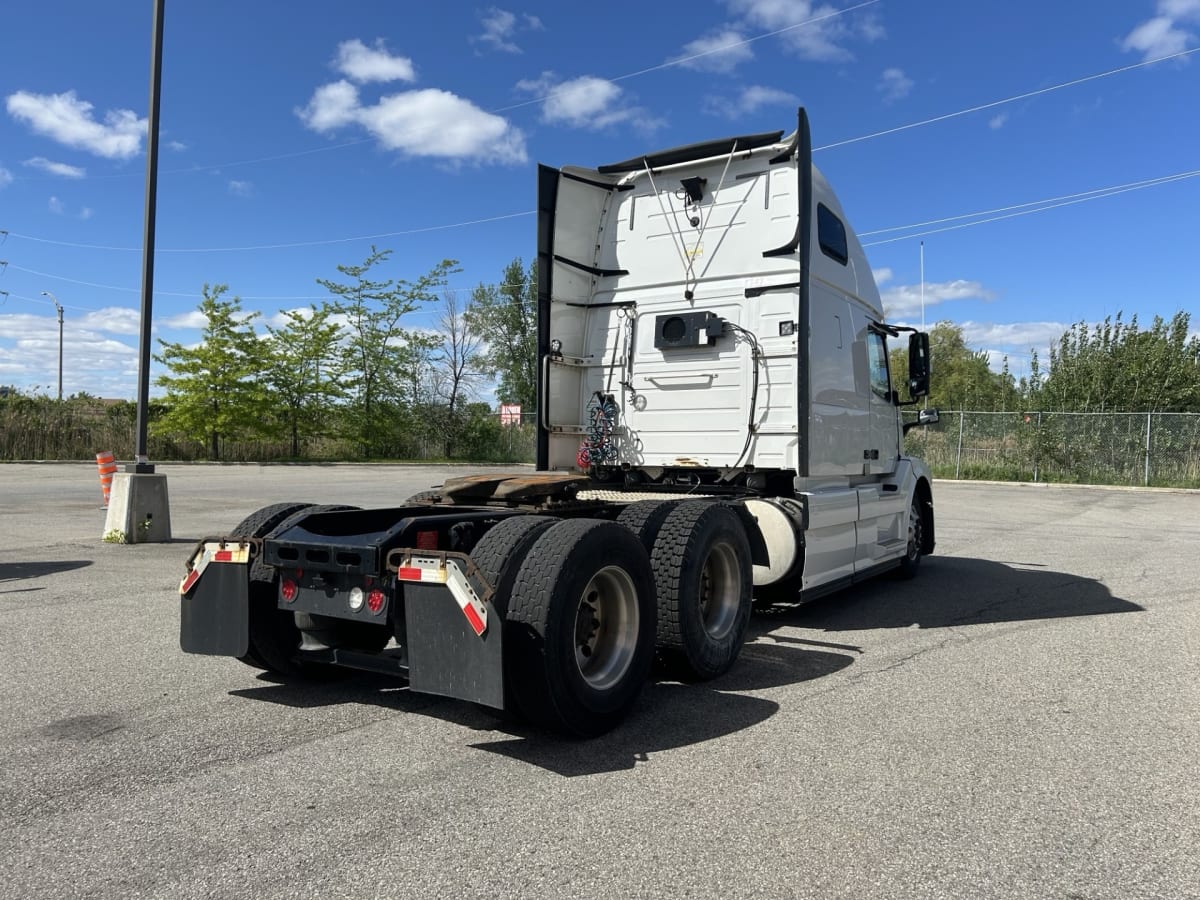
914	532
720	590
606	628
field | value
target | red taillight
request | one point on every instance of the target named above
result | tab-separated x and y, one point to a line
375	600
289	590
427	540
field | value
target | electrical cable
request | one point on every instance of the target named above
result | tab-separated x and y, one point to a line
757	354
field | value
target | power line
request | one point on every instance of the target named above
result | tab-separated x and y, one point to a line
432	228
1027	212
359	141
1014	99
1149	182
345	240
686	59
1024	209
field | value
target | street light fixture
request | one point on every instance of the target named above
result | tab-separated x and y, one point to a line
58	306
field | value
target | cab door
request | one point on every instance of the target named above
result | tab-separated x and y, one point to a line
884	446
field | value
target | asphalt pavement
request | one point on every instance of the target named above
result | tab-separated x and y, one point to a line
1022	720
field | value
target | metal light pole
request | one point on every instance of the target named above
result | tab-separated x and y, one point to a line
58	306
141	464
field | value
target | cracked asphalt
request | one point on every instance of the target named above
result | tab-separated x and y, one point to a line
1021	721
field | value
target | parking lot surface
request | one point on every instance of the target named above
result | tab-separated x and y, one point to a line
1022	720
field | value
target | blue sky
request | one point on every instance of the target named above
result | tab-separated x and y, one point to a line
318	124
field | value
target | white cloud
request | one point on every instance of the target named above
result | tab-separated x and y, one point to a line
68	120
997	121
56	206
882	276
86	213
585	102
894	85
818	41
280	319
241	188
905	300
748	102
440	124
113	320
88	356
1018	335
332	106
55	168
190	319
1012	341
6	177
1164	33
500	27
177	146
361	63
428	122
719	51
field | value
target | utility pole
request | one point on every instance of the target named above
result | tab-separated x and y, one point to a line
141	464
58	306
138	509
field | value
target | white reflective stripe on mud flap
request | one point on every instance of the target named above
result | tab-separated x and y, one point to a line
449	573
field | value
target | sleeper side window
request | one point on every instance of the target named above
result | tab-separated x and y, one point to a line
831	234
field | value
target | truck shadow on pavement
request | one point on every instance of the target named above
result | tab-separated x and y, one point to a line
19	571
668	715
952	591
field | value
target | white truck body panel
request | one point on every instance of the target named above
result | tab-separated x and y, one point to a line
796	381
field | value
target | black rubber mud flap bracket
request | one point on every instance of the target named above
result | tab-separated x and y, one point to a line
215	613
445	656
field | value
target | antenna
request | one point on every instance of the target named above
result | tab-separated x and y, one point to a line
922	285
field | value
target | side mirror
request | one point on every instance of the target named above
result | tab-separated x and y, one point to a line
924	417
918	365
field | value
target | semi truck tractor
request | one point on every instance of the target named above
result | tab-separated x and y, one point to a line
717	422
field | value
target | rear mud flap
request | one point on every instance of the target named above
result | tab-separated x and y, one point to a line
214	614
445	656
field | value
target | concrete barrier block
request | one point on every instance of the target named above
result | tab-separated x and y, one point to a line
138	510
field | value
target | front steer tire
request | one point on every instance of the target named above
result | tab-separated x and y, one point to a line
910	563
579	631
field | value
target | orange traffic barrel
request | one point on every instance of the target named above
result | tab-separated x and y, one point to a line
108	467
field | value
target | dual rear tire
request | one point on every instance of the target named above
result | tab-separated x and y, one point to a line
577	599
277	634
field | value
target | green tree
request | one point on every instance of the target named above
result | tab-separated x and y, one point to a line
506	313
303	372
380	356
1117	366
214	390
960	378
453	367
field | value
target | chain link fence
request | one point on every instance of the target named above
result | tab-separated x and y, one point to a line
1156	449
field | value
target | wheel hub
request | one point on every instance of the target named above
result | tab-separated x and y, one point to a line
606	627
